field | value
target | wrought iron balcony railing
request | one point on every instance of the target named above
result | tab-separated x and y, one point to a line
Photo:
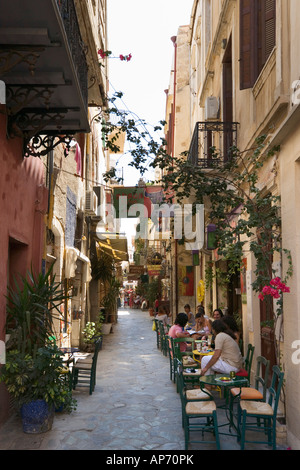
212	143
69	17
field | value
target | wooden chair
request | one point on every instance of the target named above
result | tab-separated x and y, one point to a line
263	413
246	371
84	371
155	321
197	416
258	392
163	339
189	377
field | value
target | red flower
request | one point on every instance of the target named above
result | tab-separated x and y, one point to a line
276	285
129	57
102	53
122	57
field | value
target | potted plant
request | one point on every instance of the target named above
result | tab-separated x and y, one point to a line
38	385
92	332
109	303
151	292
34	372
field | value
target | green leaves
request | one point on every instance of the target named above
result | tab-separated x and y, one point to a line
32	305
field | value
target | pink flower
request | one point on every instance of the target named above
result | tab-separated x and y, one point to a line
122	57
102	53
129	57
261	296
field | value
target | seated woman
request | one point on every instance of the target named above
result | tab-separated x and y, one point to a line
202	324
177	330
227	355
163	317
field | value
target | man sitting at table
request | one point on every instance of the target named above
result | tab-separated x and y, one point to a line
227	356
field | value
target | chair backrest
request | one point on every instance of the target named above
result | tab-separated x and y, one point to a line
98	345
275	388
161	328
180	380
169	345
261	377
249	359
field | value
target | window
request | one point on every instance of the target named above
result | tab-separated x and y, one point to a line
257	38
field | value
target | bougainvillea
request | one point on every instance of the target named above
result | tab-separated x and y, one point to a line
122	57
275	289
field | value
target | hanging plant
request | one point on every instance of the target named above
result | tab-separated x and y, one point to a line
103	54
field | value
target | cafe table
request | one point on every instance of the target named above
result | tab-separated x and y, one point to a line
225	382
197	355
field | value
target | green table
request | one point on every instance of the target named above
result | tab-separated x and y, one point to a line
214	380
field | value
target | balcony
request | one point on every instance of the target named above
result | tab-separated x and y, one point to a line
212	143
44	68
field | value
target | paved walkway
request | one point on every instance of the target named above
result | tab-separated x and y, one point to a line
135	405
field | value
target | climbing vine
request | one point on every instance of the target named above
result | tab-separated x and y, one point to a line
231	193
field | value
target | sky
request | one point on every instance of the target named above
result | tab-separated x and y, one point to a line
143	28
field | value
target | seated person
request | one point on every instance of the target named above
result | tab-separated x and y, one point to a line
190	315
162	316
177	330
227	355
202	323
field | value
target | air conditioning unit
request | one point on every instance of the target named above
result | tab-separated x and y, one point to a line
91	203
211	108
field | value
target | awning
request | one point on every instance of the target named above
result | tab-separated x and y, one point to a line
113	244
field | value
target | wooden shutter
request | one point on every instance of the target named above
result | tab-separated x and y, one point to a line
248	46
269	27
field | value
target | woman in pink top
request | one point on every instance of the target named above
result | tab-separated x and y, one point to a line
177	330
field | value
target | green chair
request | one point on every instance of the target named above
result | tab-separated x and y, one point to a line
155	321
163	339
261	411
198	417
258	392
246	371
189	377
84	371
171	357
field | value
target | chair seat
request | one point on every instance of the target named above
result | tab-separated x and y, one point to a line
192	374
197	394
247	393
84	366
242	373
188	361
256	407
200	407
86	360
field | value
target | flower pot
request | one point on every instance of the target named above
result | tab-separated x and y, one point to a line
106	328
37	417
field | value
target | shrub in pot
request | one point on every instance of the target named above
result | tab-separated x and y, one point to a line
38	385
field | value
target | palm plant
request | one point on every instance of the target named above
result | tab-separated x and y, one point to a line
32	305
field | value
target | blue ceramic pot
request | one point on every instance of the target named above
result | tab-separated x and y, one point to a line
37	417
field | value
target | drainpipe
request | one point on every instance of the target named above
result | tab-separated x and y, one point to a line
173	39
